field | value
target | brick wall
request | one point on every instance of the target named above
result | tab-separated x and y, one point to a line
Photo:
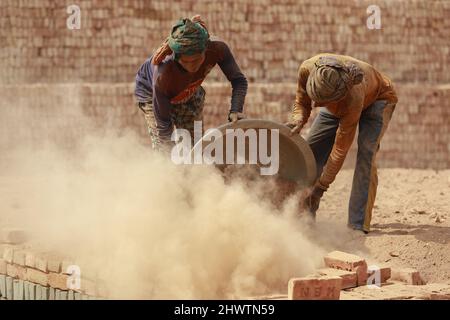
29	274
417	136
269	37
48	71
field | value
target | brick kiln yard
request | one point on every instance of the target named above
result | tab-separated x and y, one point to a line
410	232
411	229
411	220
65	83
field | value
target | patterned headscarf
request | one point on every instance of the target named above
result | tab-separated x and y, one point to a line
330	79
188	36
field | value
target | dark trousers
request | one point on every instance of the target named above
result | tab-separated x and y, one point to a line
372	125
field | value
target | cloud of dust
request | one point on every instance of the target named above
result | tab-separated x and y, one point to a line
148	228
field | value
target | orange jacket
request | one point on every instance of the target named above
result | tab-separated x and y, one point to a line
375	86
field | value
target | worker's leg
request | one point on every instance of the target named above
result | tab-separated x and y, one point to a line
184	114
372	125
149	116
321	138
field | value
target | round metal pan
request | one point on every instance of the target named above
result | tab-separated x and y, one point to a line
296	160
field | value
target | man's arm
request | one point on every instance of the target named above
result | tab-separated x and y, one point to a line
146	90
143	88
238	81
345	135
301	109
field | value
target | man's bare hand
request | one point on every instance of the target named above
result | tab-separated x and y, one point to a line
296	126
235	116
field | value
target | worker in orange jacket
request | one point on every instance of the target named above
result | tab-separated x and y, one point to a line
349	92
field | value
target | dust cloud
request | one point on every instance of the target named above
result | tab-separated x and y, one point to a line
146	228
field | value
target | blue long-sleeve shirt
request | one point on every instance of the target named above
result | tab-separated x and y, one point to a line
168	83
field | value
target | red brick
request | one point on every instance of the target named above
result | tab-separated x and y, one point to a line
349	278
48	262
58	280
37	276
15	271
30	259
385	273
315	288
344	261
361	274
350	262
408	275
41	263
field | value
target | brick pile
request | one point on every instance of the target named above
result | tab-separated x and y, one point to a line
93	68
26	274
344	271
420	119
269	37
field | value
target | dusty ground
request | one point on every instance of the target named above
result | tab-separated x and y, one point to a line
410	228
410	225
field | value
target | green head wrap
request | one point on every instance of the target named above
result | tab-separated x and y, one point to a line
188	38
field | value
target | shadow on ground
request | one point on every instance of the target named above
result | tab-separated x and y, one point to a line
423	232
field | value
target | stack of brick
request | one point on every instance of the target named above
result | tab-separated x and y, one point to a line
420	120
269	38
346	271
66	112
29	275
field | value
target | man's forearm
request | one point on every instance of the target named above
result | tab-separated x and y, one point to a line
240	86
301	112
343	142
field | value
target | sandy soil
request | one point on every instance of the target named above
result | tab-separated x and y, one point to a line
410	224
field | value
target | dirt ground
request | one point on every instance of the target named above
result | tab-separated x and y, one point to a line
410	224
410	229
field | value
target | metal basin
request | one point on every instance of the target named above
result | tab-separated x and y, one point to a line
296	160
